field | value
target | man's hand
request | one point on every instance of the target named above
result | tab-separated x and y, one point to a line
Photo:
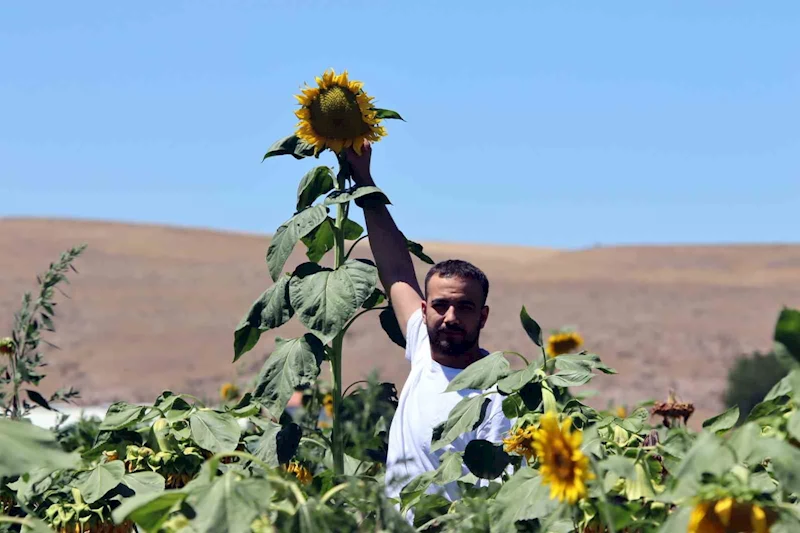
359	165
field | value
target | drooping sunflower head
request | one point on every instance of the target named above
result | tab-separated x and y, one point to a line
228	392
563	465
563	342
327	403
726	514
520	441
6	346
337	114
302	473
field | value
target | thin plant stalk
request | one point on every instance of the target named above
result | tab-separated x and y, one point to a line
336	351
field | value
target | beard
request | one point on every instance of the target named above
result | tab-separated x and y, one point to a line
452	346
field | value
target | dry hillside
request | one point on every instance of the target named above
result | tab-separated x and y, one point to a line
154	308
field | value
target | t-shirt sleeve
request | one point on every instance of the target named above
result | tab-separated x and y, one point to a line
416	337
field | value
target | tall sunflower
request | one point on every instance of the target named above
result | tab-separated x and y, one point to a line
337	114
563	465
563	342
726	515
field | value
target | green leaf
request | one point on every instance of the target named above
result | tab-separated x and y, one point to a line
787	331
26	447
531	327
391	326
449	469
523	497
101	479
375	299
387	113
34	525
789	384
341	197
314	184
516	380
793	425
481	374
326	299
722	422
287	235
277	444
291	145
144	482
294	362
572	378
150	510
38	399
121	415
512	406
635	422
583	360
531	394
215	432
351	229
271	310
465	416
767	408
620	466
416	249
485	460
231	504
320	241
677	521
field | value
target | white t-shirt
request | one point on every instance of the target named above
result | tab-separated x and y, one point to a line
422	406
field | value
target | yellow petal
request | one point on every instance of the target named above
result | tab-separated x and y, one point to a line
698	514
723	510
327	78
758	519
303	113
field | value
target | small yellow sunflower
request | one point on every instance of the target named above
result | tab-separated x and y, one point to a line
337	114
520	441
621	412
302	473
563	342
728	516
563	465
327	403
228	391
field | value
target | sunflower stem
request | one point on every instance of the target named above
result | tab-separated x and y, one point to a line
336	351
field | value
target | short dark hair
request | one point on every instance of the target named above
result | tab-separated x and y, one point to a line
456	268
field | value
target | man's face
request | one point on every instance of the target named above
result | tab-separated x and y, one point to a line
454	314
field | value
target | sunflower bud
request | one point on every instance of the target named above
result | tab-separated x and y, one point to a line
7	346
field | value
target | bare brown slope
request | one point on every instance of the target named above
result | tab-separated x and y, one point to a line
154	308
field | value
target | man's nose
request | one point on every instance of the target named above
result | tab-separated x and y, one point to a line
450	316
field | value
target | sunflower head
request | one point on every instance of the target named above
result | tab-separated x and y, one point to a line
228	392
327	403
726	514
563	465
302	473
520	441
337	114
563	342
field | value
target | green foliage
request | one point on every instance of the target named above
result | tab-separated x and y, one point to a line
750	379
23	369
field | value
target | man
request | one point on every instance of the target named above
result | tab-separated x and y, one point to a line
442	331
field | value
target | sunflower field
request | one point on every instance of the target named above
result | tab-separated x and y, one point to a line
250	464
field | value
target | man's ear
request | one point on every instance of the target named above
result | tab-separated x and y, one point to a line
424	307
484	315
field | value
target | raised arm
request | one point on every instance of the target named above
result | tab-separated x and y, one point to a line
388	245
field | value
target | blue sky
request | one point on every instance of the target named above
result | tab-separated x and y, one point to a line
559	124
